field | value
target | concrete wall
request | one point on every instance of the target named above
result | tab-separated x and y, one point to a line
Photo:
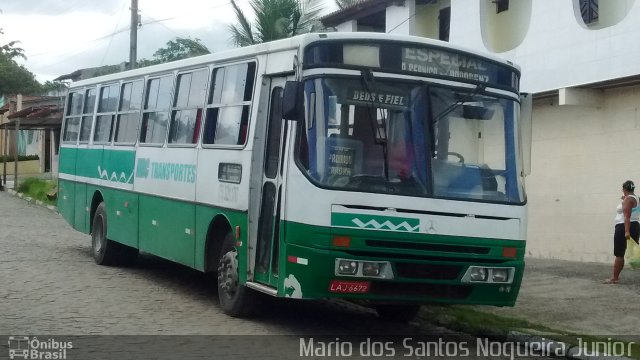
24	167
505	30
581	157
427	18
558	49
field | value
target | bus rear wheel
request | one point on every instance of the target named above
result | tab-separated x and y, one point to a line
397	312
105	251
235	299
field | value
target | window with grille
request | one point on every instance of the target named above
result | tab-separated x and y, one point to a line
501	5
589	11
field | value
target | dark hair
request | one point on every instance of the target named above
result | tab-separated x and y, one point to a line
628	185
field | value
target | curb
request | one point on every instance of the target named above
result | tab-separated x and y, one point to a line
535	344
31	200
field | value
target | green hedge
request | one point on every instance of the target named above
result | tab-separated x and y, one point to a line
20	158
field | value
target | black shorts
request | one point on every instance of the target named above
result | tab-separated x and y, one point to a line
620	242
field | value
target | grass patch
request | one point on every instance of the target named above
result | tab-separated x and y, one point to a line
468	319
37	189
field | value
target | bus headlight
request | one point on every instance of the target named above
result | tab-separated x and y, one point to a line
347	267
478	274
370	269
363	269
500	275
488	275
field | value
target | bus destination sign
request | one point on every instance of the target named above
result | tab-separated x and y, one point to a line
436	62
425	60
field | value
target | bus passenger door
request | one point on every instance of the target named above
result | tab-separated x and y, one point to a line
268	229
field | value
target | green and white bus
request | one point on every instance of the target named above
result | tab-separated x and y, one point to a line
384	169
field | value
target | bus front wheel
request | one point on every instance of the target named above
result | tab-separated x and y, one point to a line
235	299
397	312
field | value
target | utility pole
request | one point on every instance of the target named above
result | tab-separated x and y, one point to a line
133	39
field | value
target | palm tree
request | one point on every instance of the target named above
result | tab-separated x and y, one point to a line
274	19
346	3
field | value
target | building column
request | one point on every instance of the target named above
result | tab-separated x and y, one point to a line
348	26
401	18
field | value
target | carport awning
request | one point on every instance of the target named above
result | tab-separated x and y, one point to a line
35	118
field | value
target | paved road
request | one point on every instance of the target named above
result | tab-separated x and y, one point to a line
50	285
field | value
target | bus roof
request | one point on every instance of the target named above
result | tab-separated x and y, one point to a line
280	45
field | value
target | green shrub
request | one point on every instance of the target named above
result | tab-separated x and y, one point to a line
37	189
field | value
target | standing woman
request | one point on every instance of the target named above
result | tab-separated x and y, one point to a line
627	226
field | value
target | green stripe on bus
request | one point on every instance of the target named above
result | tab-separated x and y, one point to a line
107	164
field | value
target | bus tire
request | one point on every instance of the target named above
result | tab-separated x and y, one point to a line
236	300
104	250
397	312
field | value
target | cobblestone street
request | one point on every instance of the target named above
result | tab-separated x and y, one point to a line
51	286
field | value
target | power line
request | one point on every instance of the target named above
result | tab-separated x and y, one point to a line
405	20
126	28
124	5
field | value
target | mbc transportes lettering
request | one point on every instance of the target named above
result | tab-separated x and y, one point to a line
173	172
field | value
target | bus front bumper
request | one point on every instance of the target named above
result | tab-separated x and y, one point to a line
313	273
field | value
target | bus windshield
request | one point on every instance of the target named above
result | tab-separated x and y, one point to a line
408	138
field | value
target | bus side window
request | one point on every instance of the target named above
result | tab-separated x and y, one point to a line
128	117
107	106
155	116
72	117
229	105
87	115
187	108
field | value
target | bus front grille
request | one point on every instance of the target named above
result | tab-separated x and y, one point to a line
464	249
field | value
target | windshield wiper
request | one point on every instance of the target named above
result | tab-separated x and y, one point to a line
380	137
458	103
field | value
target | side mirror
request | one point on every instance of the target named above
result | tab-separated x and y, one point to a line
293	101
526	116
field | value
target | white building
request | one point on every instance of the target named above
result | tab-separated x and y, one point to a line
580	59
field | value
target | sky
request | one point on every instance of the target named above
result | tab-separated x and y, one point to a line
61	36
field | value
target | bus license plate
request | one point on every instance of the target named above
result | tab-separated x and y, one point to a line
342	286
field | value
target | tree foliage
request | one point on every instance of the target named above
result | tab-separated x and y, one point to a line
274	19
51	86
180	48
15	78
177	49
